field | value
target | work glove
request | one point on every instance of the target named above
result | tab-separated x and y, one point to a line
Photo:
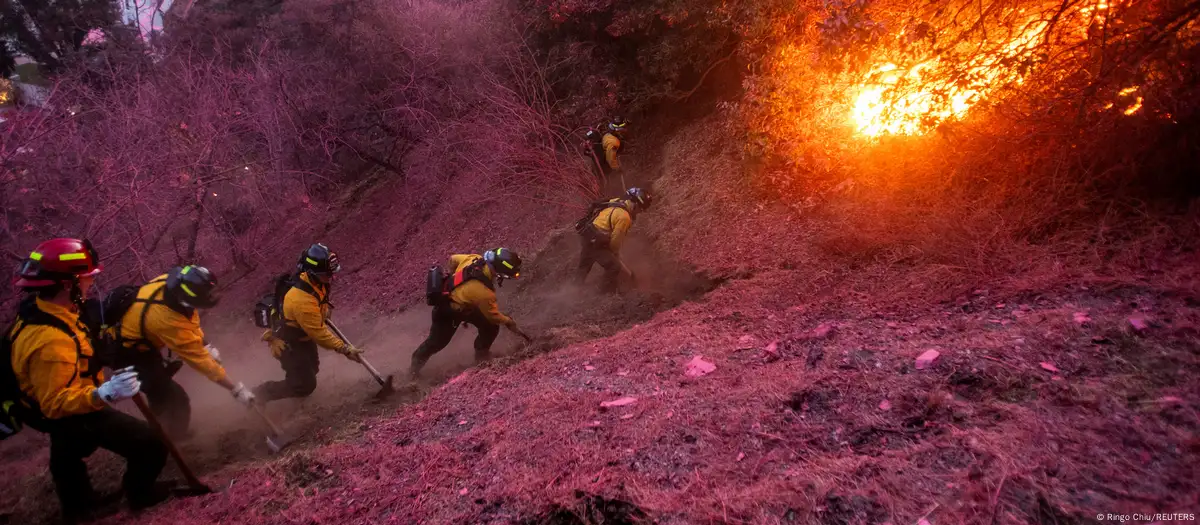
120	387
274	343
352	353
243	394
212	350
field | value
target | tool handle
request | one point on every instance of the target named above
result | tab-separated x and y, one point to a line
140	401
336	331
371	369
274	429
361	359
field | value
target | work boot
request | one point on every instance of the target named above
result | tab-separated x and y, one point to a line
159	493
97	507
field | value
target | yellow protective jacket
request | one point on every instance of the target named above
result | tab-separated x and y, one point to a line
163	327
611	144
614	222
301	309
51	369
475	294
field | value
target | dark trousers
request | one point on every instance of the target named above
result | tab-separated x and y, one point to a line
445	323
300	363
592	253
600	165
74	438
168	400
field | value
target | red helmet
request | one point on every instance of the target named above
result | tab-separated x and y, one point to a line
58	260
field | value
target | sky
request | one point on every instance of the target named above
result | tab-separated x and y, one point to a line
147	17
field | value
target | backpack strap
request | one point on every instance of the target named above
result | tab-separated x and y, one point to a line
600	206
473	271
29	314
604	205
308	289
156	297
289	332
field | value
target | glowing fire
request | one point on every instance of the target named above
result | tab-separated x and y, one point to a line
1135	106
908	101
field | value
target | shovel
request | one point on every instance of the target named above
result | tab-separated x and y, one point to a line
276	440
385	383
195	486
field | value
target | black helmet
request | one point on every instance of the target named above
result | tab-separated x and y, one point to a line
320	260
503	261
192	286
640	196
617	124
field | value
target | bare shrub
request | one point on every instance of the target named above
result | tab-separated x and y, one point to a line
223	152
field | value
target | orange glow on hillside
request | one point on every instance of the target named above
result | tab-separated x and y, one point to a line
892	100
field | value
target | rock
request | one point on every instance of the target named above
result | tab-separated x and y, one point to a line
589	368
822	330
698	367
1081	318
1139	321
771	352
741	456
926	359
885	405
463	492
619	402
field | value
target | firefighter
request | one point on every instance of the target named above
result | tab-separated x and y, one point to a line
63	391
305	310
603	233
605	149
470	299
166	315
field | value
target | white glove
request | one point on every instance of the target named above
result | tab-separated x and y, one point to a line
243	394
120	387
212	350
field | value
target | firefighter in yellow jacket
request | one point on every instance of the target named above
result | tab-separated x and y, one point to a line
62	391
603	233
470	298
165	316
605	150
306	309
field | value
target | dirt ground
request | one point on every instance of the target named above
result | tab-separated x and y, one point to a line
1046	404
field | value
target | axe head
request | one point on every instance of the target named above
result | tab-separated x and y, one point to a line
277	443
387	388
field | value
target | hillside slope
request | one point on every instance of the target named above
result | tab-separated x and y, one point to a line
1047	403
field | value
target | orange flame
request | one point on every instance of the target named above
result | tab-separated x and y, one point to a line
896	101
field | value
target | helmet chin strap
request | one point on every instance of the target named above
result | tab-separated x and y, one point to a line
76	293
